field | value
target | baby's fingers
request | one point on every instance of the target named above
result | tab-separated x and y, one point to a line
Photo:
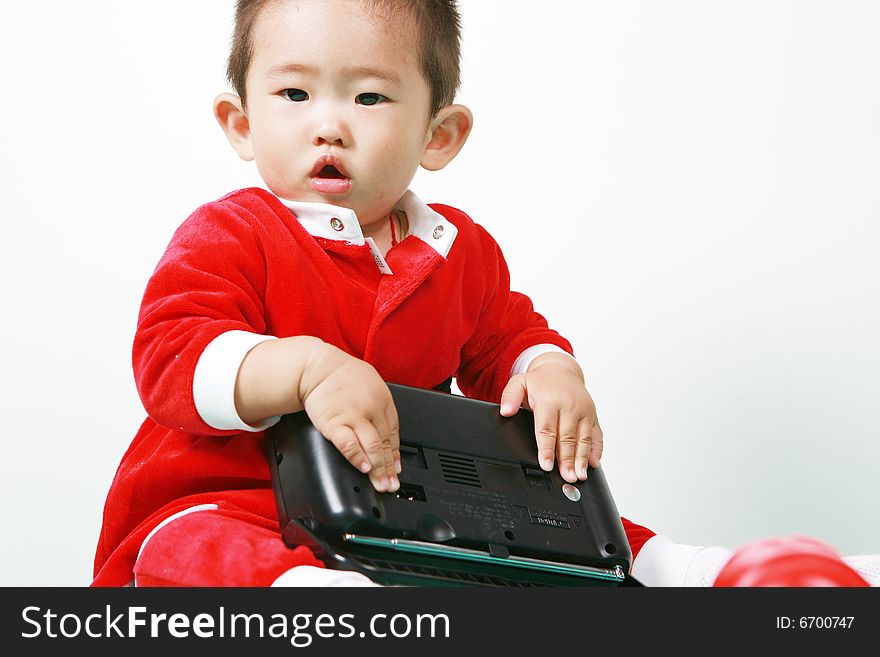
546	426
597	445
584	445
345	440
385	424
567	446
382	474
514	395
589	447
394	433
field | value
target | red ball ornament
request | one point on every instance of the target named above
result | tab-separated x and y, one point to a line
787	561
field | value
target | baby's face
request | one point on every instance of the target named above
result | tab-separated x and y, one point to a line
337	106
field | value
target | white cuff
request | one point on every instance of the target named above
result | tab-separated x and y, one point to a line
214	381
661	562
521	364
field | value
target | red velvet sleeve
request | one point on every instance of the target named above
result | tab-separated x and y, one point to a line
508	325
210	280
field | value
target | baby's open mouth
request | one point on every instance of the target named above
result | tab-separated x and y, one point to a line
328	176
330	167
330	171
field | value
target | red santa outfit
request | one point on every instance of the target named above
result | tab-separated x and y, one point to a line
248	268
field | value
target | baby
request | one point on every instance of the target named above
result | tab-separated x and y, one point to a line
311	293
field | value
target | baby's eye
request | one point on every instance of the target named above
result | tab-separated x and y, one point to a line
296	95
370	99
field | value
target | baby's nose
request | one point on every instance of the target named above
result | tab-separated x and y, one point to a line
331	129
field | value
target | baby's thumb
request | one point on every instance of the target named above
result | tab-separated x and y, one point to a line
513	395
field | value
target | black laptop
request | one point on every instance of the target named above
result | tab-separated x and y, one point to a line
473	509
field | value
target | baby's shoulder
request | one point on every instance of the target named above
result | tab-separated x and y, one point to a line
248	208
247	201
470	232
453	215
460	219
246	217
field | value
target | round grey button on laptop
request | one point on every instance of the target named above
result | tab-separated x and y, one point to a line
571	492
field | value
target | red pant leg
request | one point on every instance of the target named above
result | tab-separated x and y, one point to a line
230	547
636	535
223	547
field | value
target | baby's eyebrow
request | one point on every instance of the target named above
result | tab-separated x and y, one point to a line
369	72
354	72
282	69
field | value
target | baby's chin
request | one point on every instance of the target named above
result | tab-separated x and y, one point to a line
366	212
311	196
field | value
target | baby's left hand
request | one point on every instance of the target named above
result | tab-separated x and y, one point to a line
565	416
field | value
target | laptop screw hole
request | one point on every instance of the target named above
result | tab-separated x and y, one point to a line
357	489
611	548
509	535
376	512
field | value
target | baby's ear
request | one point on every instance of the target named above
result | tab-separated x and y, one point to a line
449	131
230	114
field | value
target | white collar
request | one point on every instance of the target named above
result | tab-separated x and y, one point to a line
337	223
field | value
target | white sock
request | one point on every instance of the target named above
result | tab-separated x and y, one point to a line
705	566
866	565
661	562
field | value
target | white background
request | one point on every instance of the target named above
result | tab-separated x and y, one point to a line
688	191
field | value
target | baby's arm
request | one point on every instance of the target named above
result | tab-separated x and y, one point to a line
565	416
210	285
344	397
553	384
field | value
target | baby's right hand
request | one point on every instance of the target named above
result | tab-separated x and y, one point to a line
350	404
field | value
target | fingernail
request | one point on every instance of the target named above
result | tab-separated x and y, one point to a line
365	466
506	408
383	484
547	464
582	471
397	467
395	484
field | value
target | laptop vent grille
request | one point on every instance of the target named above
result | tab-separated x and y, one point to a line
459	470
449	575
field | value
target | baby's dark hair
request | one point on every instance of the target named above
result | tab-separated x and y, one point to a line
438	42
